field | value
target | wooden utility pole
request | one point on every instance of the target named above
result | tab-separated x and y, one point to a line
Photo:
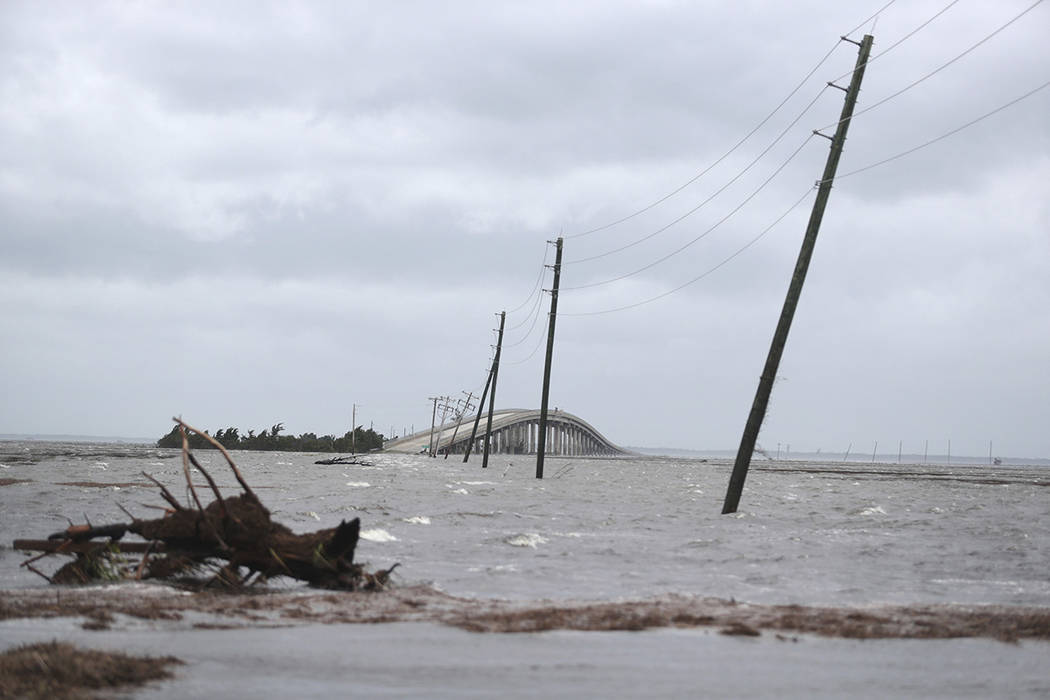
776	348
433	418
492	394
353	430
541	442
459	420
477	418
446	406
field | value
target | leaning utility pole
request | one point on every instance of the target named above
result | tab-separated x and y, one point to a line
776	348
492	394
477	418
353	430
463	408
541	443
433	418
445	408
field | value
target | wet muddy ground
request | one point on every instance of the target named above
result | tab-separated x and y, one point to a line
108	607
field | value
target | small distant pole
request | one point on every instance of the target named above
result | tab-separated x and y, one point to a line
446	406
492	394
541	442
477	418
459	420
873	450
900	448
989	452
949	450
925	451
845	457
353	430
433	420
798	279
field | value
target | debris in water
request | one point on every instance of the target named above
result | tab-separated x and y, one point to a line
234	538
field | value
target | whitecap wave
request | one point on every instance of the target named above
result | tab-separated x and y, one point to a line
377	535
871	510
526	539
358	484
417	520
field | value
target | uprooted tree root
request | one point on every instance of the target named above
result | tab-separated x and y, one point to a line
60	671
233	536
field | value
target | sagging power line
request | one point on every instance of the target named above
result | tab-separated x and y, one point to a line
940	68
707	231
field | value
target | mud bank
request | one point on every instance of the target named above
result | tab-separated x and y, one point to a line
111	607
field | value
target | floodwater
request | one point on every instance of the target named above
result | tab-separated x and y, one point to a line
811	533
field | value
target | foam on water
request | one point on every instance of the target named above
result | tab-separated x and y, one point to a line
377	535
526	539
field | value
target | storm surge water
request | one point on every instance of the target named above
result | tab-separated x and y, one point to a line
816	533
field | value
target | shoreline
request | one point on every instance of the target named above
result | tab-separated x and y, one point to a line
173	608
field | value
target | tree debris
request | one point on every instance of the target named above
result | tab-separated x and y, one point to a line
345	460
233	537
57	670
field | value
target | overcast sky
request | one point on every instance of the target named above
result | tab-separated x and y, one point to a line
245	213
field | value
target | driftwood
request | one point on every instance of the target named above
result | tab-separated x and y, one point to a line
235	534
344	460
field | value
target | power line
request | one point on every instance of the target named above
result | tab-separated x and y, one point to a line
904	38
946	134
806	194
535	318
739	143
535	305
696	279
543	269
721	158
942	67
708	231
717	192
543	337
875	16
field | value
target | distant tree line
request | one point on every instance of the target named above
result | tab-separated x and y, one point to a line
272	440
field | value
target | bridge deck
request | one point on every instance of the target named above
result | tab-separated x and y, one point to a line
514	430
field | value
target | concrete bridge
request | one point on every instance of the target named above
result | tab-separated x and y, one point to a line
514	431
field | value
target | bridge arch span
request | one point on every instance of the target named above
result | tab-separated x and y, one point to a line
515	431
